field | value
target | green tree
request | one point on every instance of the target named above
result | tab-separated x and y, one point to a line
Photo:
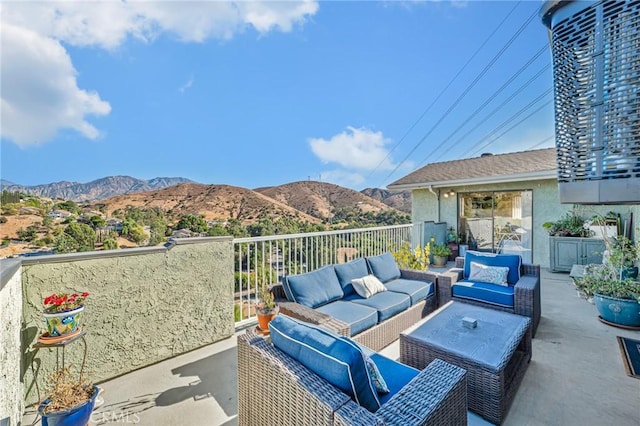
217	230
68	205
97	222
195	223
133	231
84	235
47	222
65	243
28	234
110	244
158	228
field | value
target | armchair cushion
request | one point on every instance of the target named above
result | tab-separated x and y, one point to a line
396	375
358	317
512	261
313	289
416	290
384	267
495	294
488	274
348	271
338	360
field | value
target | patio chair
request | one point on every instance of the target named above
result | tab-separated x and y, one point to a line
276	388
520	294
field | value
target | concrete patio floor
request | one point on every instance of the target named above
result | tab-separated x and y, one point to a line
576	376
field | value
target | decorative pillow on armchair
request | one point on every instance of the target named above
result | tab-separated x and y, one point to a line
488	274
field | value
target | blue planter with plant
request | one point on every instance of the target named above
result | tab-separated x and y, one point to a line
77	415
620	311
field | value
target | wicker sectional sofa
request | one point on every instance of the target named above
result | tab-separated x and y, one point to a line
299	377
326	297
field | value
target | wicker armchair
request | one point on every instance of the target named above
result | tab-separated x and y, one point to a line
376	337
274	389
526	295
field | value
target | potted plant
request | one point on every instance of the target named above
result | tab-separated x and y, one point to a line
62	312
266	309
440	254
69	402
616	296
417	259
570	225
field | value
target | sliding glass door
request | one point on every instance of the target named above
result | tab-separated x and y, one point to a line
497	221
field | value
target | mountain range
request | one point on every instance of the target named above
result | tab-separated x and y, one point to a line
98	189
308	200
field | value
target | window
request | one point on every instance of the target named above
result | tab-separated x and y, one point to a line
498	222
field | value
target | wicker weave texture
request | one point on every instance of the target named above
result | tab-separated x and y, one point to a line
526	297
274	389
490	393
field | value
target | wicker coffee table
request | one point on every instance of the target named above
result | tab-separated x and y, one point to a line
496	353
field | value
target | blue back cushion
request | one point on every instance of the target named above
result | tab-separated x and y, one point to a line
384	267
336	359
313	289
349	271
512	261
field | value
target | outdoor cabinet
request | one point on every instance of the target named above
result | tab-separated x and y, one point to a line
568	251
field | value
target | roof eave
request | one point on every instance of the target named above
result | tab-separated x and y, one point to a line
485	180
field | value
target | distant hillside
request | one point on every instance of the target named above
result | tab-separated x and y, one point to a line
214	202
398	200
95	190
320	199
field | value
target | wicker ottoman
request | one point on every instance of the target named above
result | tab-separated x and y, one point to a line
496	353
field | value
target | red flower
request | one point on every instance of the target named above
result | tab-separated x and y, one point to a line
85	294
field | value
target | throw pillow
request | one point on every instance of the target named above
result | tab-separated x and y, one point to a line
368	286
376	377
488	274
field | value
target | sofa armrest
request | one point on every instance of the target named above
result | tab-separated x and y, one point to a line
437	396
414	274
445	281
307	314
460	262
526	300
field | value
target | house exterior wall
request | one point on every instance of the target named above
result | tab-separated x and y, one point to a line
144	305
546	208
11	401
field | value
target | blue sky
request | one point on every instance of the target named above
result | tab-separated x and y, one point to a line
262	94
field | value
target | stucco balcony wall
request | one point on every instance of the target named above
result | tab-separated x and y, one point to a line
11	402
145	305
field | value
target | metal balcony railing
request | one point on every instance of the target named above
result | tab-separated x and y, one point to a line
262	261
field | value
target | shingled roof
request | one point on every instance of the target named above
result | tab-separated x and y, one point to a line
515	166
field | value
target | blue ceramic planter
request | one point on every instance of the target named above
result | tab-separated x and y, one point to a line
618	311
75	416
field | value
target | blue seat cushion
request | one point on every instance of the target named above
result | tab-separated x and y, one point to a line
495	294
416	290
386	303
313	289
512	261
395	374
357	316
384	267
337	360
348	271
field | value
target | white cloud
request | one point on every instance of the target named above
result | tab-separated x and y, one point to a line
354	148
186	85
39	90
30	29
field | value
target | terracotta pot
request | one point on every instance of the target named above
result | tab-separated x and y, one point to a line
265	319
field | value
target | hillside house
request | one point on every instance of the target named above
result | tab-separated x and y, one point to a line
59	214
497	202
